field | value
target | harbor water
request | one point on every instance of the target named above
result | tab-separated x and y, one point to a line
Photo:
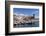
35	24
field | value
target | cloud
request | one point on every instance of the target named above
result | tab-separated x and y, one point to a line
20	14
36	11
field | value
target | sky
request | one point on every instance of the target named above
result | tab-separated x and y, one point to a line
26	11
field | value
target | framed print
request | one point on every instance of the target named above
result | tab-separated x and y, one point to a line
24	17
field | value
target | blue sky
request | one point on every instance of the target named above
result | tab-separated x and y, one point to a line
26	11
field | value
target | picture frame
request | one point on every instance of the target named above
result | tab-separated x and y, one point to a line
23	7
